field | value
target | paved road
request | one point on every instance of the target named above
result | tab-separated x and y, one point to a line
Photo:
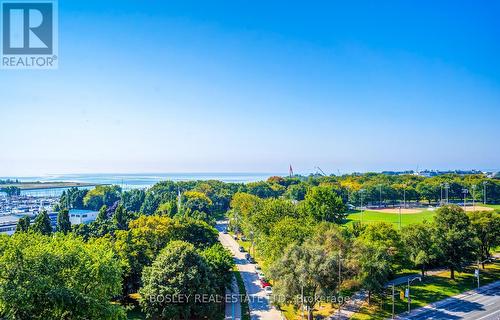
260	308
480	304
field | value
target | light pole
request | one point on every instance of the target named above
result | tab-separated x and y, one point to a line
361	192
441	201
447	188
404	196
400	216
340	280
392	300
380	200
409	282
484	190
473	197
477	270
465	191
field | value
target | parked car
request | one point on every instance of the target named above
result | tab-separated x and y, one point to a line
257	269
264	283
225	231
243	238
261	275
268	290
242	249
248	257
235	237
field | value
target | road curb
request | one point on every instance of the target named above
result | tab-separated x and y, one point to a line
438	304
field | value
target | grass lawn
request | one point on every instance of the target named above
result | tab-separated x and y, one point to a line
433	288
321	311
368	216
494	206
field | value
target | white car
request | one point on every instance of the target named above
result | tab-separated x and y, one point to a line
268	290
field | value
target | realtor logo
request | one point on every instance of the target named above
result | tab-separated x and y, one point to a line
29	34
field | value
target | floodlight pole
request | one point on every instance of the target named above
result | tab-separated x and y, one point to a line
473	196
409	299
400	216
442	200
361	198
484	190
465	191
380	201
447	188
404	196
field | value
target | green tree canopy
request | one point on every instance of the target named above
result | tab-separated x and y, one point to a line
63	223
454	238
418	241
58	277
486	226
178	270
42	224
23	224
324	204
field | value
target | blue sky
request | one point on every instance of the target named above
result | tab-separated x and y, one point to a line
252	86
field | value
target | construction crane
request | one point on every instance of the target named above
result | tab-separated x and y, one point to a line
321	172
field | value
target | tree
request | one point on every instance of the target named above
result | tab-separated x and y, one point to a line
454	237
285	232
323	203
72	198
168	209
373	265
101	195
221	262
196	201
262	189
63	223
11	191
309	269
243	206
59	277
120	218
297	191
42	224
132	200
102	216
23	224
486	226
148	235
418	240
178	271
272	211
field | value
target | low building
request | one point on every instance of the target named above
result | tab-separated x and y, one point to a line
82	216
8	222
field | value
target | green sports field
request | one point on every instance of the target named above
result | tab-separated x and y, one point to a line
368	216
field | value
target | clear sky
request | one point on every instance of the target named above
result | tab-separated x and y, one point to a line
252	86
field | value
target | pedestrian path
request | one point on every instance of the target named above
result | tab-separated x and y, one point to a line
233	305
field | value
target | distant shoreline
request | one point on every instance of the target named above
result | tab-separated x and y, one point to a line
48	185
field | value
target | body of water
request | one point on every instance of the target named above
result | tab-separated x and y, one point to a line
136	181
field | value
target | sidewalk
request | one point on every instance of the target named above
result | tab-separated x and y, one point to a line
351	307
359	298
440	304
233	309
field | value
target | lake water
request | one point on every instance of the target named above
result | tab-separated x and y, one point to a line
137	181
